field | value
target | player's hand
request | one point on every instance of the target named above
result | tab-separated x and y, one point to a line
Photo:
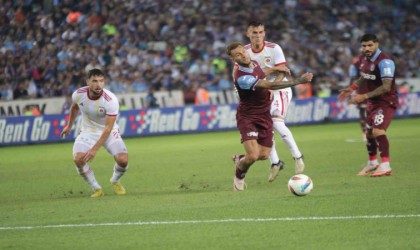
66	130
356	99
308	76
283	68
90	154
344	94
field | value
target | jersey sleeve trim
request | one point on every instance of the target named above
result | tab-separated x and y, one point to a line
280	64
255	84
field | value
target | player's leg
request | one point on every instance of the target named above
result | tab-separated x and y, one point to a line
244	162
290	142
274	157
382	122
82	144
116	147
278	111
278	108
371	145
362	119
276	164
372	149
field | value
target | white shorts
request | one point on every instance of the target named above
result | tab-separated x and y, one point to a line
280	103
85	141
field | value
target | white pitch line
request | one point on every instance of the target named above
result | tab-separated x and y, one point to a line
145	223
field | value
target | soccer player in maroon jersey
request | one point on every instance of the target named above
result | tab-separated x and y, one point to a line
377	73
253	113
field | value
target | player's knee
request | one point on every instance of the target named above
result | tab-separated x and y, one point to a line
252	157
78	160
122	160
264	156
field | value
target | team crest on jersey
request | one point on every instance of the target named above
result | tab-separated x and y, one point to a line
267	59
101	110
372	67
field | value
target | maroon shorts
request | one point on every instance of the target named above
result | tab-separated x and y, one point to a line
260	129
379	115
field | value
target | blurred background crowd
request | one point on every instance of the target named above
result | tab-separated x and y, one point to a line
46	46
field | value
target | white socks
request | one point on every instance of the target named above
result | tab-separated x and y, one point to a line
118	173
287	137
274	158
87	174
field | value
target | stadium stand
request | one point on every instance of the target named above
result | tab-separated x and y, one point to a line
179	45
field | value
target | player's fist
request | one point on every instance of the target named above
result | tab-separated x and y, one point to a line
65	132
344	94
308	76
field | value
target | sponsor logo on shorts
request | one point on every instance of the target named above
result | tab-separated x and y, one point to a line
252	134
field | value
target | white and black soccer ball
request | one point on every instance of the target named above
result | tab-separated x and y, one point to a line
300	184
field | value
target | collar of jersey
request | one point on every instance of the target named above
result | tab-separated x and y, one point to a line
258	51
92	98
375	56
246	69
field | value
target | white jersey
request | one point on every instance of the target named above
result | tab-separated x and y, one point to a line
94	111
269	56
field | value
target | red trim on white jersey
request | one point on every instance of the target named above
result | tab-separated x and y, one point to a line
280	64
94	99
258	51
269	44
106	96
83	90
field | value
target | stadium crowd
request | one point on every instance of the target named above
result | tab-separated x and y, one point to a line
46	46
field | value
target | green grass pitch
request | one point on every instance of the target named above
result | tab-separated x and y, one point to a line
179	195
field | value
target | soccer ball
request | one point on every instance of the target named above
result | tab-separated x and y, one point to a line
300	184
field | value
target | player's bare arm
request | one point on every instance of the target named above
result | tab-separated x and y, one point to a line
74	110
385	87
109	124
282	84
346	92
279	69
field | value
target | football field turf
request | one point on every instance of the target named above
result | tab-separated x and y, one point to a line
179	195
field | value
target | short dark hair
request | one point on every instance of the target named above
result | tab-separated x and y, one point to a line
255	23
369	37
95	72
232	46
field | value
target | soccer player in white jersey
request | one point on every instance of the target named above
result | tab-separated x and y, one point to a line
272	60
99	108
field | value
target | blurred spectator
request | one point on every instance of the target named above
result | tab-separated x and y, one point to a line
151	100
6	92
403	88
176	44
31	110
66	105
224	81
201	95
303	91
21	91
